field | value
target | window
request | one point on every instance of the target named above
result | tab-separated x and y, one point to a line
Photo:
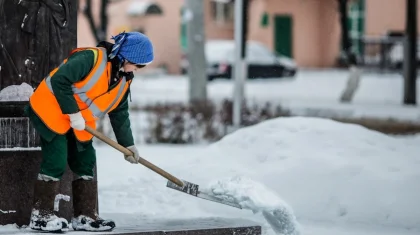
222	11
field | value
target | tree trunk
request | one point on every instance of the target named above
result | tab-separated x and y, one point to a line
345	39
347	57
98	32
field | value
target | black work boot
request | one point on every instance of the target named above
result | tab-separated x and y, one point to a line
85	215
43	217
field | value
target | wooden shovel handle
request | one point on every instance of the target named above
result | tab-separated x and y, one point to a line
126	151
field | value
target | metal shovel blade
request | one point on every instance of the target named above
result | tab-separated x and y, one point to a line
192	189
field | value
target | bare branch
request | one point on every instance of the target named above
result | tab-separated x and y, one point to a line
88	13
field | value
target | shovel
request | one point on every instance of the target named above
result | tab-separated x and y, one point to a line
173	182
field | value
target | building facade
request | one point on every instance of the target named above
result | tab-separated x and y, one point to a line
306	30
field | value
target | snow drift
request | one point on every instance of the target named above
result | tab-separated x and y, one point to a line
324	170
327	170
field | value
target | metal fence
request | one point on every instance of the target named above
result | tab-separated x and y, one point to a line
382	53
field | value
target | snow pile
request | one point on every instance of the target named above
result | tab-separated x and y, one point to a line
258	198
327	171
16	93
330	173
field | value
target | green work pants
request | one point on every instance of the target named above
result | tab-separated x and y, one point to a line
63	149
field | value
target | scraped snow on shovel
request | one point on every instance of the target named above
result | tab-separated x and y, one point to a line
255	196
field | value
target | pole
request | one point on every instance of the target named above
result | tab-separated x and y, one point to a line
410	53
195	52
239	68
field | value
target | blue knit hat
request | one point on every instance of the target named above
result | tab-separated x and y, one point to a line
134	47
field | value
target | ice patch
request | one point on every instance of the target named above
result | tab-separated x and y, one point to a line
255	196
16	92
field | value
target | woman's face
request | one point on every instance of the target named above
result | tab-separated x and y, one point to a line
130	67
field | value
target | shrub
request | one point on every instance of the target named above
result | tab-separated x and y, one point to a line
200	121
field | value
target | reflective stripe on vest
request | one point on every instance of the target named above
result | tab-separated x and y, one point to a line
81	92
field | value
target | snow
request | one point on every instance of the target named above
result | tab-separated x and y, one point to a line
311	92
57	199
223	50
20	149
80	224
20	92
315	175
138	7
6	212
255	196
349	173
334	178
328	172
54	223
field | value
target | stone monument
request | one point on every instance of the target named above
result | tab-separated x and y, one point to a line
35	37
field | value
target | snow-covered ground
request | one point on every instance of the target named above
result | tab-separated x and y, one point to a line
310	92
336	178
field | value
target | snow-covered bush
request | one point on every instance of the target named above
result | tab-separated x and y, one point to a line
198	122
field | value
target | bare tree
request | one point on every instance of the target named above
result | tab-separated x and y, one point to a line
99	30
347	56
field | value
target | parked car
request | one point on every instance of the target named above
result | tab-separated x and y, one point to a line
262	63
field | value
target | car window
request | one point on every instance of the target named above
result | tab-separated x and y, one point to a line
221	51
259	54
218	52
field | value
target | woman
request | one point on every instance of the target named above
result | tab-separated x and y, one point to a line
89	84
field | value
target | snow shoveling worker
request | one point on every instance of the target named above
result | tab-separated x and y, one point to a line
90	83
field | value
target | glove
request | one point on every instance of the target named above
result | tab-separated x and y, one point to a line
132	158
77	121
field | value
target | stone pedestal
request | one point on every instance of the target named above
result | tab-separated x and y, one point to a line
35	37
20	158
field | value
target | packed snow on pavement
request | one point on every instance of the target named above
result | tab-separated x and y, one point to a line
328	178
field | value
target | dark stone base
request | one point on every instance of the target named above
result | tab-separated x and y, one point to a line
202	226
18	172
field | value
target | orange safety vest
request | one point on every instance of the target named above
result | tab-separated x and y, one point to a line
91	94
